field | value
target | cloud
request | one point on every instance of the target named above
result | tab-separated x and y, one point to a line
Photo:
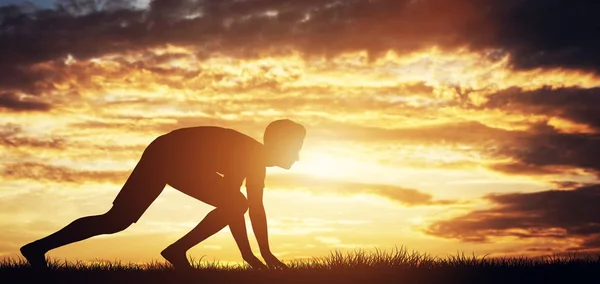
544	149
13	102
547	34
536	150
552	214
459	132
45	172
249	29
405	196
569	185
573	104
12	135
50	173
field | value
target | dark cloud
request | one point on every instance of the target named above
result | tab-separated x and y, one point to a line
569	185
28	38
545	150
45	172
520	167
230	23
539	150
537	34
405	196
553	214
549	33
84	7
544	249
15	103
574	104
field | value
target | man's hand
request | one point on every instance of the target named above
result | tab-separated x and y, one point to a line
272	261
254	262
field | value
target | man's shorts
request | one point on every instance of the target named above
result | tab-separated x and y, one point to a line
144	185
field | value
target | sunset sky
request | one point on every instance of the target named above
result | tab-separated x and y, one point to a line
441	126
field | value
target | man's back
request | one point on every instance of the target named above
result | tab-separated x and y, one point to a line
210	149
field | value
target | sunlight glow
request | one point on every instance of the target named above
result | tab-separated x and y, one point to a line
410	131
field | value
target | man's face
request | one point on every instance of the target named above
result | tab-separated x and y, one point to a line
289	154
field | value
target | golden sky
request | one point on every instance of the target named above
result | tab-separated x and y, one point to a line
433	125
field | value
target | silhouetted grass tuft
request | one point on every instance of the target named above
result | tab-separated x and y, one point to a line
358	266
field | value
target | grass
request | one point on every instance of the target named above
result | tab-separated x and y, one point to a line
397	266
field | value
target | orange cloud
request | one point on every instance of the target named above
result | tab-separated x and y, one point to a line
43	172
405	196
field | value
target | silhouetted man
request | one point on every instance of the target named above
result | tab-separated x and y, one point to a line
208	163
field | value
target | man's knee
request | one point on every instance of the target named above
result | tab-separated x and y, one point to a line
116	221
237	205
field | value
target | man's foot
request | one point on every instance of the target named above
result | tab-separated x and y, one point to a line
176	258
34	256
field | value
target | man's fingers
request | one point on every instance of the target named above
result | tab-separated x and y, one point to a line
281	265
259	266
276	264
256	264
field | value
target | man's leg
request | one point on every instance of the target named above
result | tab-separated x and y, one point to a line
208	188
80	229
141	188
231	209
176	253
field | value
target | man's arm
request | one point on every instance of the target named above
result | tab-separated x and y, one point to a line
237	225
258	217
254	189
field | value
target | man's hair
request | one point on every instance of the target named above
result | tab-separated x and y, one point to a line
283	129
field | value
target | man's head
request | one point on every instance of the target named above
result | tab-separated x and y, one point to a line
283	141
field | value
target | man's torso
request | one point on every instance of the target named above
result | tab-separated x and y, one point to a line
209	150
